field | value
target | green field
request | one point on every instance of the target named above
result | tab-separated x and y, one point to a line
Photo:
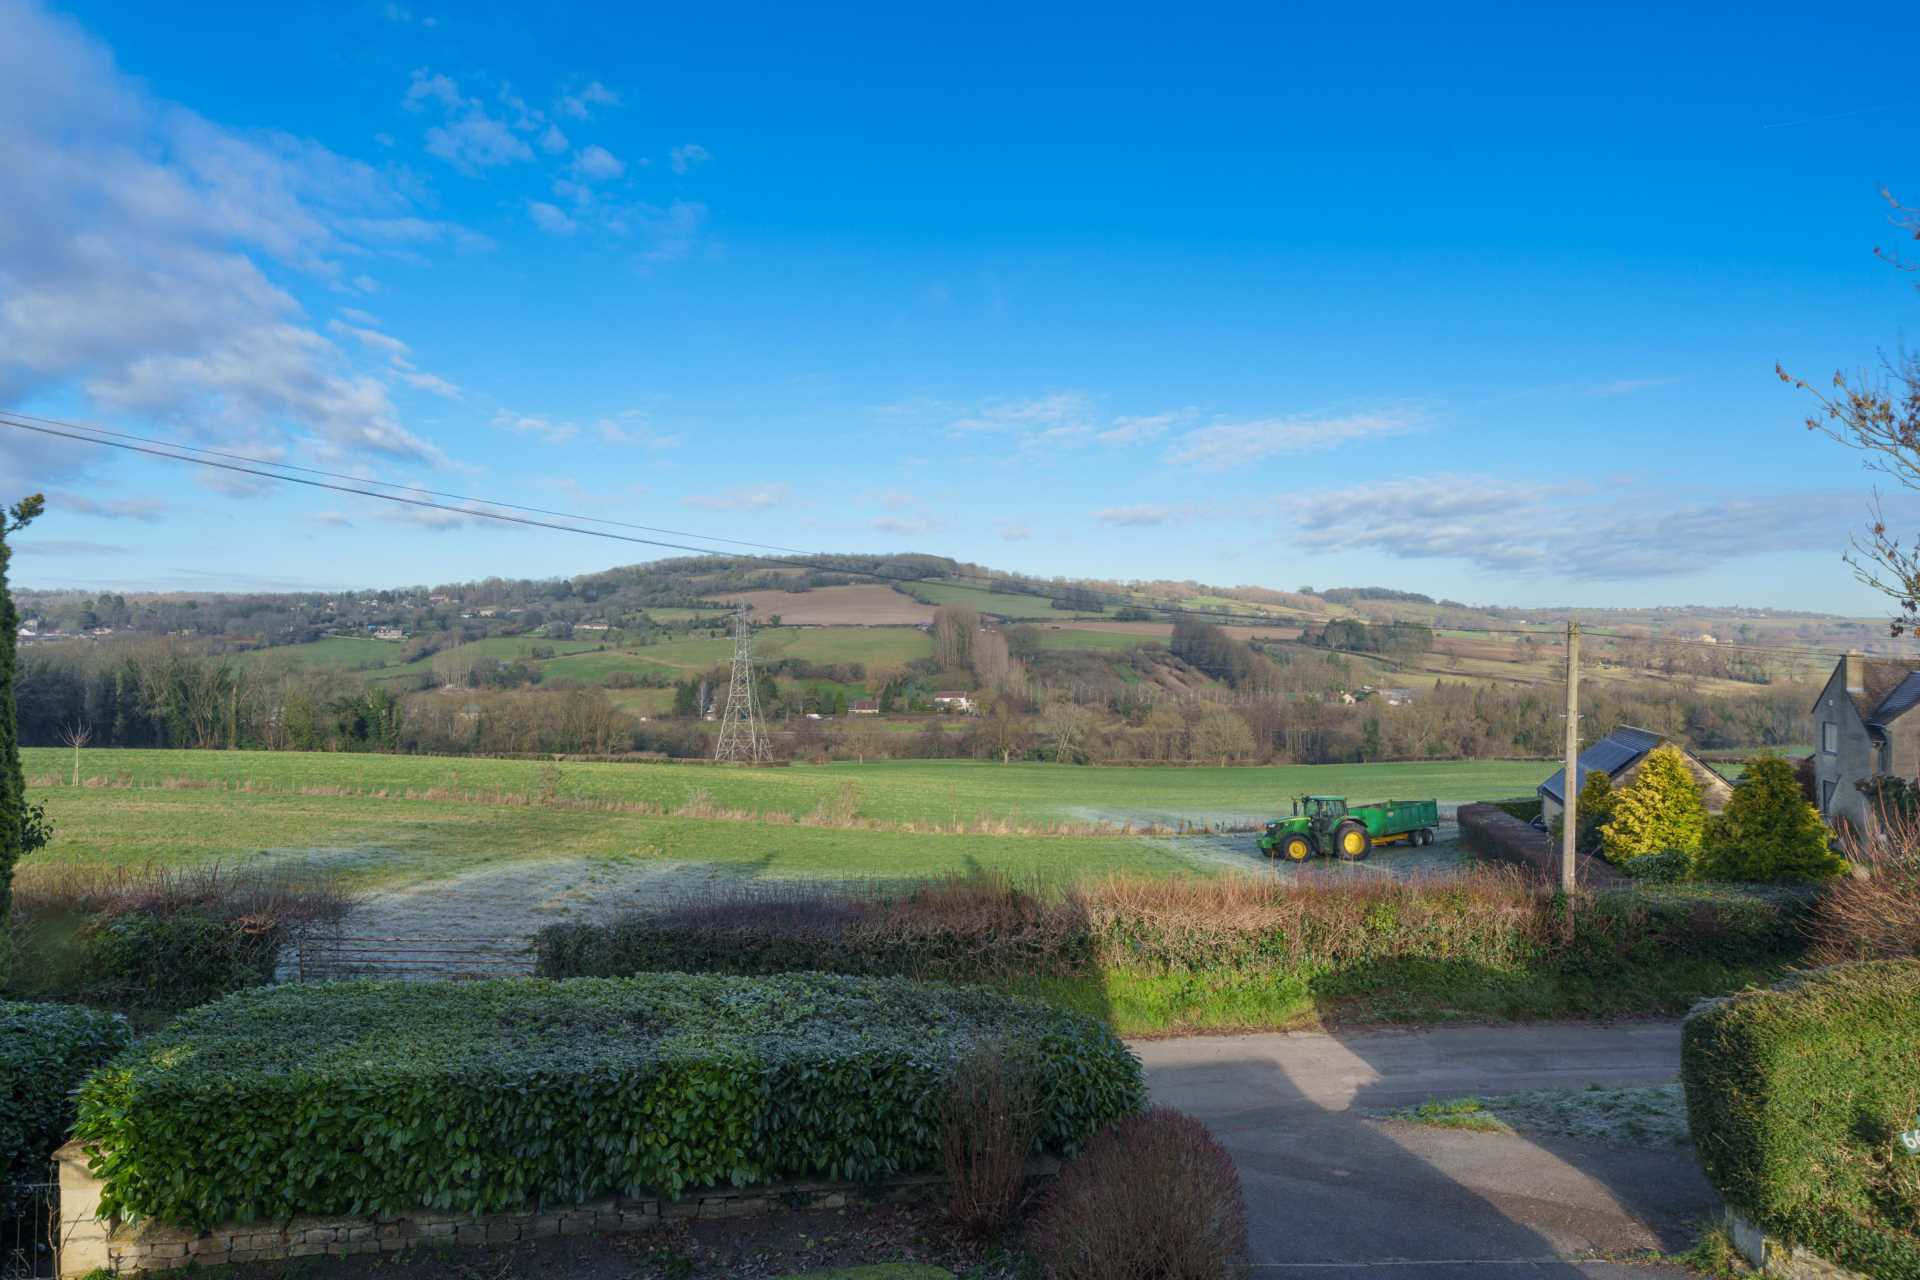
380	819
1106	641
1006	606
349	653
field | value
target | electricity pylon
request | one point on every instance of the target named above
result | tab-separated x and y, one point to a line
742	736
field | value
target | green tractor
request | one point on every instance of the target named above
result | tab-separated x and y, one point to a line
1326	826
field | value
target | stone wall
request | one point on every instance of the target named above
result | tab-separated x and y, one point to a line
1498	836
88	1243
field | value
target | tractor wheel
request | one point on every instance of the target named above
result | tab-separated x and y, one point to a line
1297	848
1351	842
1422	838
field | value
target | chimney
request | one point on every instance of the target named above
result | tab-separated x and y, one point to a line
1856	671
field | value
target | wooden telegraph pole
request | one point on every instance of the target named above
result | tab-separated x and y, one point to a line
1570	779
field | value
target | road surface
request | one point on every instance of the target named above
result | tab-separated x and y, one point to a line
1334	1191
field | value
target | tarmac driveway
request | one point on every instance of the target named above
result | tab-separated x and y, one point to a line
1333	1191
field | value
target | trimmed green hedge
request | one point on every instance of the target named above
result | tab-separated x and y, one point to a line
46	1050
1796	1097
381	1097
174	962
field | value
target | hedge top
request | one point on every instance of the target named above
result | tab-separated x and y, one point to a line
1796	1097
530	1026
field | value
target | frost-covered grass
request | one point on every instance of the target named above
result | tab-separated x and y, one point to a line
1652	1116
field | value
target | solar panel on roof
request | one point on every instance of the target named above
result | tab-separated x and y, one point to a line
1610	755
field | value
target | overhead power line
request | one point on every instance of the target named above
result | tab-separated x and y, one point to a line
504	512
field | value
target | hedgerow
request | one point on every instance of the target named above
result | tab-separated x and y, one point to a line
1796	1098
370	1097
45	1051
1603	952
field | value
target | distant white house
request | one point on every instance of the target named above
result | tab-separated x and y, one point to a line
864	707
389	633
953	700
590	626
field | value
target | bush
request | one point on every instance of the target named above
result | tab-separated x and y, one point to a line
1669	867
1592	810
988	1120
1486	936
1660	810
1796	1096
1152	1198
381	1097
1874	914
156	938
45	1052
1768	831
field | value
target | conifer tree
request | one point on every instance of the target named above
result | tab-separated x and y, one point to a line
1660	810
1768	831
18	829
1593	810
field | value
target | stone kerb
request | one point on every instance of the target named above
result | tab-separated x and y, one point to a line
89	1243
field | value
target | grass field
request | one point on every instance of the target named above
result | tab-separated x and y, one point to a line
349	653
1006	606
377	819
1087	638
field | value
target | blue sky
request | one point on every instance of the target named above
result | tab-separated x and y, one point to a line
1482	303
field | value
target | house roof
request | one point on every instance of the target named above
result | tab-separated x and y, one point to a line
1618	751
950	693
1903	698
1880	680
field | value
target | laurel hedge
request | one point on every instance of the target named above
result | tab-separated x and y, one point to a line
45	1052
1797	1097
382	1097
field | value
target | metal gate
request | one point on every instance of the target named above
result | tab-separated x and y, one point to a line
326	955
30	1229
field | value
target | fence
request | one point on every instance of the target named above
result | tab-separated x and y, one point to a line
30	1230
326	955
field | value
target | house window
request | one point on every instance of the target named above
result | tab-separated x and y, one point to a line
1829	737
1826	797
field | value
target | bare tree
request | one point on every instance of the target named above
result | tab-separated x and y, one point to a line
953	630
77	735
1877	413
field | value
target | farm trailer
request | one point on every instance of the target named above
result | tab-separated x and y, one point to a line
1326	825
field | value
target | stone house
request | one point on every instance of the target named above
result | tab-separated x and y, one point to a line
1619	755
1861	730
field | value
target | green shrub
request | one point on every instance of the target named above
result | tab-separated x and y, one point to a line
380	1097
160	962
45	1052
1669	867
1768	831
1525	808
1593	809
1660	810
1796	1096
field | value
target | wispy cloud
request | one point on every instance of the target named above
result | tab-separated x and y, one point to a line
1013	530
597	164
687	156
1590	533
1146	515
527	424
1225	445
759	497
1624	387
469	137
144	509
579	106
632	429
29	546
139	244
551	218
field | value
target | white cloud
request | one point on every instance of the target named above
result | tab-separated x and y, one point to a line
759	497
551	218
136	240
1625	387
686	157
1144	429
903	527
1013	530
1225	445
143	509
1063	411
328	520
1144	515
578	105
1585	533
613	431
552	141
532	425
597	164
469	138
28	545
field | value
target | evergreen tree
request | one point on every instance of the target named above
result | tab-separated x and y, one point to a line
20	831
1661	810
1593	810
1768	831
